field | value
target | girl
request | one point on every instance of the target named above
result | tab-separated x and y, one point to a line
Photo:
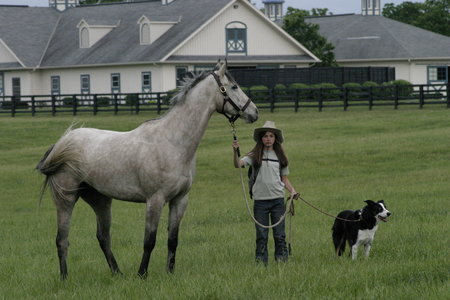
270	162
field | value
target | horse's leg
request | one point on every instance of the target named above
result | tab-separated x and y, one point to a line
102	208
155	205
64	201
176	212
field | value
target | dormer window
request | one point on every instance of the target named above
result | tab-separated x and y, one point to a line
84	38
150	31
145	33
91	34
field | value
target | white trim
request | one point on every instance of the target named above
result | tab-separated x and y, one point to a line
12	53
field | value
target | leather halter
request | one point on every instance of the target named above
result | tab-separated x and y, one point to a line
227	98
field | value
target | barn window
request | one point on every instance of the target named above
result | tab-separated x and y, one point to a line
55	85
84	38
438	74
115	83
236	38
145	33
85	83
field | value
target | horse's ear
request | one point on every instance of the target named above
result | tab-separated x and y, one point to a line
217	67
222	69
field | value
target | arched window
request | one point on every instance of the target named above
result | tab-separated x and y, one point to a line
145	33
236	37
84	37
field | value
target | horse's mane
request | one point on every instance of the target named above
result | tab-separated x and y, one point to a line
189	81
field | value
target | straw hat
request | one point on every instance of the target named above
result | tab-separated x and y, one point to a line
268	126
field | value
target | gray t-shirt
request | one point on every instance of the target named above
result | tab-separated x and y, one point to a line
268	184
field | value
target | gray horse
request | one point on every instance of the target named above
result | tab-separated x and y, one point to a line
152	164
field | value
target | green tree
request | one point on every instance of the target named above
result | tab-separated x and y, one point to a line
433	15
308	34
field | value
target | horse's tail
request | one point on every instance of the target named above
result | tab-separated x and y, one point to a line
61	156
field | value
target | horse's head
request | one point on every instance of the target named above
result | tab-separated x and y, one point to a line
236	104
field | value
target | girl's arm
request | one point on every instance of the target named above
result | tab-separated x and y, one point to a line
288	186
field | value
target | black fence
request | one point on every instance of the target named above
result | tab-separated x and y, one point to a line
316	75
270	99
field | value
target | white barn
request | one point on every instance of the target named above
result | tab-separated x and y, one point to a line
134	47
369	39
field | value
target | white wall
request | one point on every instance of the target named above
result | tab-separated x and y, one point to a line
262	39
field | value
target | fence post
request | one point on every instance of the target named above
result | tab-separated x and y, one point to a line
116	105
370	97
53	105
320	99
137	103
421	97
95	108
272	100
345	98
13	106
33	106
297	100
448	94
74	105
396	97
158	103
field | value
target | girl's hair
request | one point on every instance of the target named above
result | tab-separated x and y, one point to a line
257	152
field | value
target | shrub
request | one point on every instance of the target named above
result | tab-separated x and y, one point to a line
18	104
259	92
131	99
405	88
304	91
68	101
280	89
103	101
354	89
169	95
330	91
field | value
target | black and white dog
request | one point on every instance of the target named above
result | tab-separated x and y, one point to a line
360	229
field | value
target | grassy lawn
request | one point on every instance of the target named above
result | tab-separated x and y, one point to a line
337	160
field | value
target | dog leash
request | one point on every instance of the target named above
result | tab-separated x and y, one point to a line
327	214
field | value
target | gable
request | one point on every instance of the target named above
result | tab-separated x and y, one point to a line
263	37
6	55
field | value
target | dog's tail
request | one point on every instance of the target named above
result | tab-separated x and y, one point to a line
339	237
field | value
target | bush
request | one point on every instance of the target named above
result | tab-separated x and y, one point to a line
18	104
330	91
103	101
405	88
304	91
169	95
259	92
354	89
280	89
131	99
68	101
298	86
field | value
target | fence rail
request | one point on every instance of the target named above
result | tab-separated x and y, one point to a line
271	99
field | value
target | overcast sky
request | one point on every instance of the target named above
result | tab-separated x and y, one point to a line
334	6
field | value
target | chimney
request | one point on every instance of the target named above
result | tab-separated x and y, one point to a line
274	9
370	7
62	5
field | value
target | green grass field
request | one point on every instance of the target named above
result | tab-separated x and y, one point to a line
337	160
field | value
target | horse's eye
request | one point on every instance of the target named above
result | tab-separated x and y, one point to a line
234	87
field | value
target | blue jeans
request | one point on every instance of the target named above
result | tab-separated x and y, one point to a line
263	210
